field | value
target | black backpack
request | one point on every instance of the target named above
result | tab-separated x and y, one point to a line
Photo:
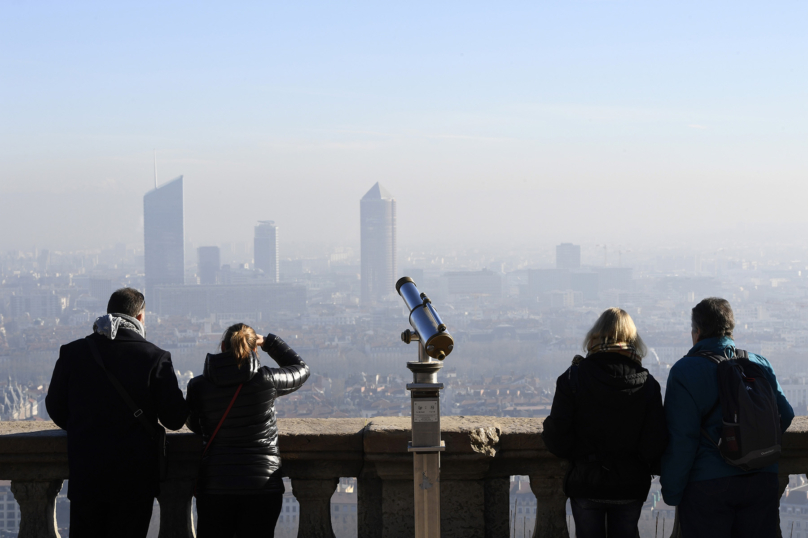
750	436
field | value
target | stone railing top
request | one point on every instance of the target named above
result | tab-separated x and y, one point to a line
483	435
467	438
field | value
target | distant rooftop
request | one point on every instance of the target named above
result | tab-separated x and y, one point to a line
377	192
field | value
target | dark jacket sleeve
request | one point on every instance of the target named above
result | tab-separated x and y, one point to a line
193	421
171	409
654	434
559	428
293	372
56	400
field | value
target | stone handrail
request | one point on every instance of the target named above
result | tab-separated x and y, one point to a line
481	455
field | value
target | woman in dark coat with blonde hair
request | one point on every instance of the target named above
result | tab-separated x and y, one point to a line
607	419
240	490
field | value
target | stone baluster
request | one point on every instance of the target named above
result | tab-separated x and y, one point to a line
370	520
37	500
176	509
551	506
497	506
314	497
398	508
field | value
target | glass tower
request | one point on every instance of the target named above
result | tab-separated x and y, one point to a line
265	249
164	236
377	215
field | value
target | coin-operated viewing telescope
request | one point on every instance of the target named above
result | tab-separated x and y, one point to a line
429	328
434	342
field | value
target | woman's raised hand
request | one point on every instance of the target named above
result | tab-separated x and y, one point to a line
259	341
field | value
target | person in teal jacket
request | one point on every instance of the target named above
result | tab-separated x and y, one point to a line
715	499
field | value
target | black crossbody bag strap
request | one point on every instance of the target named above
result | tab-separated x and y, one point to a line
136	411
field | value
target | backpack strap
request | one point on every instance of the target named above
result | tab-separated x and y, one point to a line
720	357
714	357
715	406
136	411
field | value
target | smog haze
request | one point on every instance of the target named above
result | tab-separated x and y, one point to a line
509	124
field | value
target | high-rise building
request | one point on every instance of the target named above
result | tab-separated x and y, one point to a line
164	236
377	211
209	264
265	249
568	257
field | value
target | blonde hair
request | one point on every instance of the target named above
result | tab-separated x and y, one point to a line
240	339
615	326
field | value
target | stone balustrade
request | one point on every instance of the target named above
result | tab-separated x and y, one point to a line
481	454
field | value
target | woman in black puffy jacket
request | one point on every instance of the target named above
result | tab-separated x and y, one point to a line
240	490
607	419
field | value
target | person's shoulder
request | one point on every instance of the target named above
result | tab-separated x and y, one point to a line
131	337
76	346
761	360
651	381
688	365
136	346
153	352
565	375
197	381
78	342
154	348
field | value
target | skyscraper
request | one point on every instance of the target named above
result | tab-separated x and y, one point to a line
164	236
209	264
377	215
266	249
568	257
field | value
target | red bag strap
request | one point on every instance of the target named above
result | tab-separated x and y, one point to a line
207	446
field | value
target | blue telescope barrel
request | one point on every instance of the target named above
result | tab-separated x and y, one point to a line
425	320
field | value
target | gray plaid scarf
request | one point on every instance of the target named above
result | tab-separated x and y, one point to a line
109	324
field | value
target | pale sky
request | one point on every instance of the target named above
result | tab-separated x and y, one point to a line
553	121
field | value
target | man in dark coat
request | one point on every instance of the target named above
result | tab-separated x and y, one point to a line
113	462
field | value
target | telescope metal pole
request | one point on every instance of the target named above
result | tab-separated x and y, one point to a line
426	444
434	342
